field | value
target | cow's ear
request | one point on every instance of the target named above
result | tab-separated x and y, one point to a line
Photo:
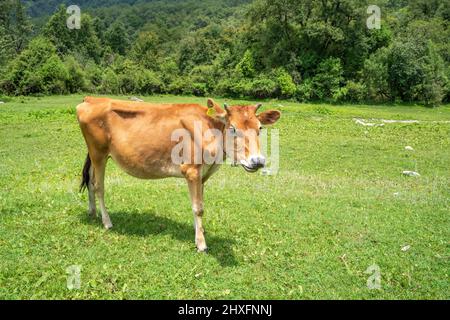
215	111
212	103
269	117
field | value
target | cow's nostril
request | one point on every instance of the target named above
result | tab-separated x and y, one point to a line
258	162
263	161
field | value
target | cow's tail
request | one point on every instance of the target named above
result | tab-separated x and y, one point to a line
86	174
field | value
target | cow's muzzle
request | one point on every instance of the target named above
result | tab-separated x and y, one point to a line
254	163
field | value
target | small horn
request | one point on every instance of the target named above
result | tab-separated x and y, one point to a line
225	105
258	106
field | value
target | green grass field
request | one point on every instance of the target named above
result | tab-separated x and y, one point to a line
339	205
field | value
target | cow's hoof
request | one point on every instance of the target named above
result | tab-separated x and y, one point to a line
108	226
202	250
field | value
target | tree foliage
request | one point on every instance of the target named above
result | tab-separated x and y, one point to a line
290	49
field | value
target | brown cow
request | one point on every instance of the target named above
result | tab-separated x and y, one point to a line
140	138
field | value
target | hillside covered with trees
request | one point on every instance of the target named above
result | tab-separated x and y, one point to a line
304	50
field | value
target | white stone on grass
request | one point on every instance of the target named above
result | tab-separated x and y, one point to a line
363	122
411	174
406	248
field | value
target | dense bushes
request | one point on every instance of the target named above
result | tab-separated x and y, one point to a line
110	82
157	48
76	79
432	88
375	76
398	71
38	69
407	70
262	87
285	84
328	79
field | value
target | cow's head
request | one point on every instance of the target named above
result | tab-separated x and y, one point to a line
243	125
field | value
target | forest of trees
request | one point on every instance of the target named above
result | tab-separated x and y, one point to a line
304	50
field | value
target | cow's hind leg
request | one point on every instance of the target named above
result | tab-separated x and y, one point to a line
88	183
99	165
91	189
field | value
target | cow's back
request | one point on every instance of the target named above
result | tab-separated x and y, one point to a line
104	109
137	135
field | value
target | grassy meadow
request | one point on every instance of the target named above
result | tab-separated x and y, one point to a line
338	206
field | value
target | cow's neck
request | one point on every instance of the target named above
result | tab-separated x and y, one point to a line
220	126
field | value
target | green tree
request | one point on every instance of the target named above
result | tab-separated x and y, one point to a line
246	67
150	83
328	78
38	69
54	75
375	76
286	84
22	28
404	71
429	8
262	87
110	82
200	47
83	41
146	50
93	74
432	88
117	38
308	49
76	76
299	34
15	30
6	49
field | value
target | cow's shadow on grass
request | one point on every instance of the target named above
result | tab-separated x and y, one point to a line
151	224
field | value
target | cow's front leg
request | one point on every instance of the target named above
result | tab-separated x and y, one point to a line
194	179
